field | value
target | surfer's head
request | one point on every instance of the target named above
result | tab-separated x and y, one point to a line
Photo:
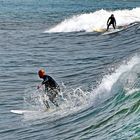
41	73
112	15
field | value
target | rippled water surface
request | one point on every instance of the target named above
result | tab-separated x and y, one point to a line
99	75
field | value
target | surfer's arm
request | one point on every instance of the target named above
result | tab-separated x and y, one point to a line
108	20
42	84
39	86
46	85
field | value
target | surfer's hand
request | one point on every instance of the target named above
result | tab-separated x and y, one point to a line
38	87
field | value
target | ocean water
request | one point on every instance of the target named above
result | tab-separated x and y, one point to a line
99	75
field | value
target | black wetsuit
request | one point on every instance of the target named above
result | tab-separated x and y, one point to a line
112	21
51	89
49	83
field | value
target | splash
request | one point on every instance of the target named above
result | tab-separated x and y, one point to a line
124	77
98	19
70	101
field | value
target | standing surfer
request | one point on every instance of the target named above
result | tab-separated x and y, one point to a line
111	20
51	88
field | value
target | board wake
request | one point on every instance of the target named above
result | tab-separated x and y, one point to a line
99	30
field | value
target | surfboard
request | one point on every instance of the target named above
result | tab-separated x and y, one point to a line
112	31
118	29
21	112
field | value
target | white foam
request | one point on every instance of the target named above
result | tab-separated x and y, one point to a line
98	19
104	89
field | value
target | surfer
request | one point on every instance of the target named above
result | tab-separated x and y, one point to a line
111	20
51	88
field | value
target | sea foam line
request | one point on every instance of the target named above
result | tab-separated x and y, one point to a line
98	19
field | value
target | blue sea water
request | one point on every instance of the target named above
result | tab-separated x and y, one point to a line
99	75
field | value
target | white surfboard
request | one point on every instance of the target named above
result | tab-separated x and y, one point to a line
22	111
112	31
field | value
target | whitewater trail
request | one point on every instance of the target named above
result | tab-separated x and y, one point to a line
98	19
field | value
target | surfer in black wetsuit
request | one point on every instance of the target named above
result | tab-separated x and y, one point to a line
111	20
51	88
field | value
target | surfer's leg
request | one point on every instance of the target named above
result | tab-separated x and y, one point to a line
53	98
113	25
108	26
45	101
46	104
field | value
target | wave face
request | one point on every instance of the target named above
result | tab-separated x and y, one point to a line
98	19
110	109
